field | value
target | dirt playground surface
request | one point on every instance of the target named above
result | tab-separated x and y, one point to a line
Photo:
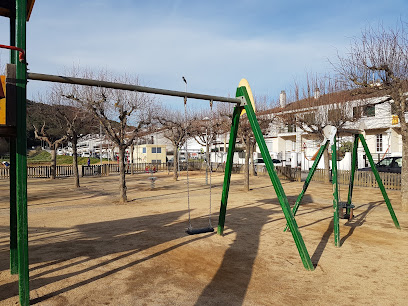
86	249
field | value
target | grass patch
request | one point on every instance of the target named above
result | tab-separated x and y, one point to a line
43	157
40	156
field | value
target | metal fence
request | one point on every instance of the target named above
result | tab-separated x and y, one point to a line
284	172
361	178
4	172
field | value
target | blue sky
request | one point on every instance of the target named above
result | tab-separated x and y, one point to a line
212	43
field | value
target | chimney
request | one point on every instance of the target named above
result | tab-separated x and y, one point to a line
282	99
317	93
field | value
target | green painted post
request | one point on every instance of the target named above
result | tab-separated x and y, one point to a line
352	172
228	168
336	226
13	194
379	181
283	200
13	209
308	180
21	158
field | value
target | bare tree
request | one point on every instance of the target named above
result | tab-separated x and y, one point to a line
122	114
46	127
245	134
74	117
378	61
53	143
325	101
205	131
76	120
177	130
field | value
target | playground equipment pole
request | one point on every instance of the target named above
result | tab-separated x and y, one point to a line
352	172
157	91
13	174
228	168
21	156
336	226
308	179
379	181
283	200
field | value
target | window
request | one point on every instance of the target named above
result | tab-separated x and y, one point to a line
356	112
369	111
309	118
334	115
144	150
386	162
393	109
156	149
379	143
156	161
291	128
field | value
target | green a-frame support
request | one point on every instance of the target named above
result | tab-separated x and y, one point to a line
336	215
18	11
243	95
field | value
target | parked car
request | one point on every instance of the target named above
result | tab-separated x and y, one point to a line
388	164
259	162
182	163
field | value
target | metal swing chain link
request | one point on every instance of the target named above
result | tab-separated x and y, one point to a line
209	160
188	185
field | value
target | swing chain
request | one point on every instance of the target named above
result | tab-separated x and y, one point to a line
209	160
188	185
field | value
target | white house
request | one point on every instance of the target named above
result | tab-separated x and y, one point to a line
374	117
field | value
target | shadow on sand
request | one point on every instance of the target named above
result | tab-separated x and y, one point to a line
231	281
57	249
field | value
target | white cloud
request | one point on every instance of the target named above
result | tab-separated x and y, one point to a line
208	44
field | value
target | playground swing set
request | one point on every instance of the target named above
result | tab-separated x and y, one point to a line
331	133
14	127
208	229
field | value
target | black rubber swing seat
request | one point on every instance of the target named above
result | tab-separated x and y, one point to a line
194	231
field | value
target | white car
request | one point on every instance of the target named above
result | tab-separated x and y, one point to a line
260	162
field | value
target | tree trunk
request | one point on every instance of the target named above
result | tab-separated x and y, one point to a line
327	175
253	172
404	170
53	162
75	160
175	163
122	181
246	166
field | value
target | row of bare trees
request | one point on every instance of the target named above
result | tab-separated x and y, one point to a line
125	116
375	65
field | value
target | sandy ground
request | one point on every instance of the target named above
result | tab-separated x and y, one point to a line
85	249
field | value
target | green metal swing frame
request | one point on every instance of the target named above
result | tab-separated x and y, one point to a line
283	200
16	82
336	215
